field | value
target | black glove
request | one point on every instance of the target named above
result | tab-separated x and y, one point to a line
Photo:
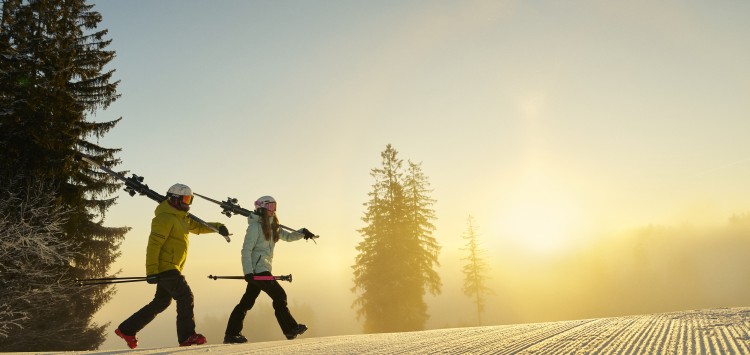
152	279
249	277
307	233
223	230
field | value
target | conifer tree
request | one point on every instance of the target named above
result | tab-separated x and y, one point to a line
52	77
475	270
394	267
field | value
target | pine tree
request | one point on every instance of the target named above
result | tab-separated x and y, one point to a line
52	77
394	266
475	270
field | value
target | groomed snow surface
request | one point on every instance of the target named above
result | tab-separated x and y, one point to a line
714	331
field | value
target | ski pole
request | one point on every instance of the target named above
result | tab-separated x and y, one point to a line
80	283
117	280
255	277
113	278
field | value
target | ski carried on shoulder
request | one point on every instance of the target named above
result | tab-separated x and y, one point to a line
231	207
134	184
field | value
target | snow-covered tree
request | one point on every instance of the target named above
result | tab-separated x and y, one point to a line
34	261
475	270
394	267
52	77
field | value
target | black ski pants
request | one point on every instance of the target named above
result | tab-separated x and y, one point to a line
276	292
171	285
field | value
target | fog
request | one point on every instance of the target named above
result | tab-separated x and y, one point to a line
642	270
656	268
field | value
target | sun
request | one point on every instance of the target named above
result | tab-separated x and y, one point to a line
539	219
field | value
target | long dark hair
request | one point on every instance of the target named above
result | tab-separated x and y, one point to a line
269	229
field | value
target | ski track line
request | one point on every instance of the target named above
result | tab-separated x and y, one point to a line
629	335
538	339
620	325
740	335
704	336
658	336
561	342
672	342
652	336
571	340
473	340
684	346
725	334
508	338
595	338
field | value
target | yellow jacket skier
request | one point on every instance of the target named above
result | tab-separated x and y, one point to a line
165	258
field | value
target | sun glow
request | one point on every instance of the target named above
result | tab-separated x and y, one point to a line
540	218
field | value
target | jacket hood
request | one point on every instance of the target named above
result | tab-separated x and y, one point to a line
165	207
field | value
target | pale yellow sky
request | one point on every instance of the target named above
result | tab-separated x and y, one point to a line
555	124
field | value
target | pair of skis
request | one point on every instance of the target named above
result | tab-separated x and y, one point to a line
230	207
134	184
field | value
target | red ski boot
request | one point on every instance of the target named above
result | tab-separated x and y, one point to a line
195	339
132	340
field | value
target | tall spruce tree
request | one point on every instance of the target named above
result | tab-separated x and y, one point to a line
394	267
52	76
475	270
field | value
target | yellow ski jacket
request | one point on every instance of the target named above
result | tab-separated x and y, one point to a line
168	242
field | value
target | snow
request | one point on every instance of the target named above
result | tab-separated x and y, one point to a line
711	331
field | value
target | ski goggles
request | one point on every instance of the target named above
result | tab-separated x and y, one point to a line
187	199
270	206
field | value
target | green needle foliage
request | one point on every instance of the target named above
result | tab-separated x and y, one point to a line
52	78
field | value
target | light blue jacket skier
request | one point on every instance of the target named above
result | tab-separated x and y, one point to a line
257	251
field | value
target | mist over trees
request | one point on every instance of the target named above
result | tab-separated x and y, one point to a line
475	269
396	260
52	77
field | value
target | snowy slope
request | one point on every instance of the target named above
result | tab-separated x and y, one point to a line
714	331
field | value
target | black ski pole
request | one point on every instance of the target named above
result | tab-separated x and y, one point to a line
80	283
118	280
113	278
255	277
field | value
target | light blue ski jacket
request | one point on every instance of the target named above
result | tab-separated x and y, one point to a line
257	252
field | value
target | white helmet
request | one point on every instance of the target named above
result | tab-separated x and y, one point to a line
266	202
180	190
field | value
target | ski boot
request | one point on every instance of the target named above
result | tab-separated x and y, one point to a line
131	340
195	339
234	339
299	330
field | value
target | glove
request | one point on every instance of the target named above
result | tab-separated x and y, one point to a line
223	230
307	233
249	277
152	279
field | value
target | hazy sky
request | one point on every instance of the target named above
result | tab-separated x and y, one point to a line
550	122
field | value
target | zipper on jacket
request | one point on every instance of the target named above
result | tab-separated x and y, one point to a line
256	263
